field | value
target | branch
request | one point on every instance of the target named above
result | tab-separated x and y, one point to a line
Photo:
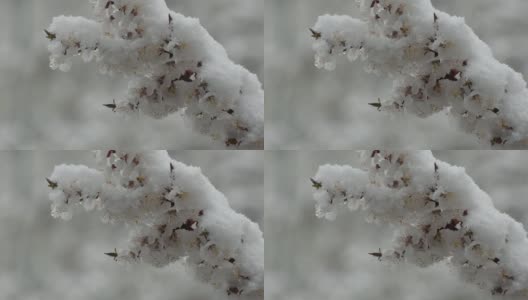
172	63
439	214
175	212
437	62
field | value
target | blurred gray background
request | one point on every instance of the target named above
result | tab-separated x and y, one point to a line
312	259
45	109
308	108
43	258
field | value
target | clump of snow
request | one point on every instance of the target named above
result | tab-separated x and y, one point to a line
438	212
437	63
174	213
172	63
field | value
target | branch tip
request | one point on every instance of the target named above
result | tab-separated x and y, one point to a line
315	34
50	35
52	184
112	254
376	104
112	105
316	184
377	254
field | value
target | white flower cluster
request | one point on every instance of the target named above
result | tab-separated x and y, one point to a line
174	213
439	214
437	63
173	65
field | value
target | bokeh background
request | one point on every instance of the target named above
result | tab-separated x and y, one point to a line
45	109
312	259
43	258
308	108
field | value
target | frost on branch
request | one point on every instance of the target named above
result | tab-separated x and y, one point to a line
172	63
439	214
174	212
437	62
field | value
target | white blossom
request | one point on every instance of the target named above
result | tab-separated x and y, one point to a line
438	212
173	212
172	64
437	63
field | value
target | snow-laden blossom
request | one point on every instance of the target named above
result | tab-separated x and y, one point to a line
437	63
438	212
172	64
174	213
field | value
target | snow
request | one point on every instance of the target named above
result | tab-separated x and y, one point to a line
173	213
436	62
172	64
79	185
346	180
439	214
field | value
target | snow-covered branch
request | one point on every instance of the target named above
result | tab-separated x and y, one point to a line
172	63
437	63
173	211
439	214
